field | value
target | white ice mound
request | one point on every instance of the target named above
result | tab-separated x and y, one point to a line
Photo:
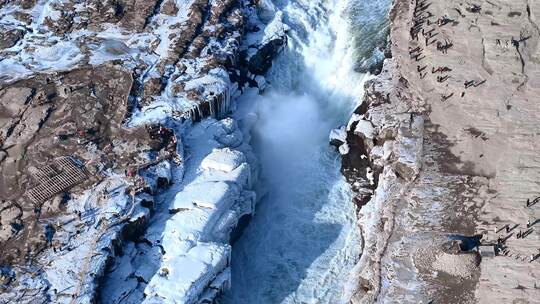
193	258
211	195
365	128
183	277
233	139
344	149
228	125
223	160
229	135
240	176
338	136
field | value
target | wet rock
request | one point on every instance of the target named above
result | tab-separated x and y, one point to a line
152	87
272	40
136	226
338	136
9	37
262	60
169	8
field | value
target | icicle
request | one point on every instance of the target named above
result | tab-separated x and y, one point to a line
212	105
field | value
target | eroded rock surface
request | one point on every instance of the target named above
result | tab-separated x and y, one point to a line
450	126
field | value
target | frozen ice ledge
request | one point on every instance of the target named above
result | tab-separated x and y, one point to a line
124	178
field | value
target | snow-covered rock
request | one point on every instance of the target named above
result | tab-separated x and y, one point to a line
187	259
408	149
344	149
364	128
209	195
184	276
223	159
338	136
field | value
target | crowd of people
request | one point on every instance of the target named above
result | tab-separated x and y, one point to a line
502	247
423	25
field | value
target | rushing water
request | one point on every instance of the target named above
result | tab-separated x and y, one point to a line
303	240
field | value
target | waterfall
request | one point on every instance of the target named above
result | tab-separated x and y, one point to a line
303	238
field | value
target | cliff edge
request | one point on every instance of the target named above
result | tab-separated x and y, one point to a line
444	154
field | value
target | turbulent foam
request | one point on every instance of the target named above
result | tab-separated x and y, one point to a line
303	239
369	28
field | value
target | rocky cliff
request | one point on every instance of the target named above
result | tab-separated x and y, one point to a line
441	155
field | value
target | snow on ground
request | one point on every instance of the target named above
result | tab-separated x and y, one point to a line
80	252
186	253
43	50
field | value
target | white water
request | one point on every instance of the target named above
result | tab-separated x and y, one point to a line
303	240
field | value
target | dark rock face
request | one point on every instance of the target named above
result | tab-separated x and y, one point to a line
376	140
169	8
9	37
357	163
262	60
338	137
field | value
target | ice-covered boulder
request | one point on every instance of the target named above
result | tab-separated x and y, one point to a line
338	136
211	195
344	149
183	277
232	140
223	159
240	176
365	129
